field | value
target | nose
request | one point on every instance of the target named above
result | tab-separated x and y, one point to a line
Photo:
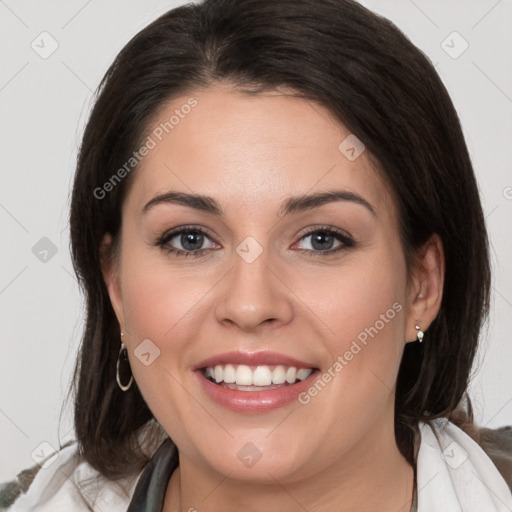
254	296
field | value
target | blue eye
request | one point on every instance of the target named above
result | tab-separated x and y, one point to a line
192	240
323	239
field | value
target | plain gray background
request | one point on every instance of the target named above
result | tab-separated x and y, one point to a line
44	103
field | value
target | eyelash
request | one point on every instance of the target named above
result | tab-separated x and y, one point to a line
345	239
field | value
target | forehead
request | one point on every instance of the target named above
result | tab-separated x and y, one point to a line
253	149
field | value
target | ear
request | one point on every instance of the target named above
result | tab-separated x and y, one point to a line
110	271
426	287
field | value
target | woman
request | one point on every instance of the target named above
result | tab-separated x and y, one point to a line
278	231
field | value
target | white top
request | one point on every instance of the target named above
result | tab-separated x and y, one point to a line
70	484
454	474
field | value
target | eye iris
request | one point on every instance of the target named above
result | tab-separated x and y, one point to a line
320	237
191	238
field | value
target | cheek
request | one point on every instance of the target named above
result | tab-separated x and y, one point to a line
157	301
364	312
158	296
371	302
161	306
360	300
362	307
160	309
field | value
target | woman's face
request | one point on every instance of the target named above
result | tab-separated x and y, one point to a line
279	277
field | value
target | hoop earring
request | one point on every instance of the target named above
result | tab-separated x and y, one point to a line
420	334
123	354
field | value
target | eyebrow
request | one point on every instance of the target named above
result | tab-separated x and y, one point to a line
291	205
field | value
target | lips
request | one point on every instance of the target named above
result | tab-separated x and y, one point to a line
254	398
253	402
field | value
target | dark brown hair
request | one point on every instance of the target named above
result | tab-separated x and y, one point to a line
364	70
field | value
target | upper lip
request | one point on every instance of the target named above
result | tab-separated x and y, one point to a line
266	357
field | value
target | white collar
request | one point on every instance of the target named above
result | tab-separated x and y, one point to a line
454	474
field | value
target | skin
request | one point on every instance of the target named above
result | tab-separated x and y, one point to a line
338	452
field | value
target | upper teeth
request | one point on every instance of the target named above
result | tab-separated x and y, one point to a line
243	375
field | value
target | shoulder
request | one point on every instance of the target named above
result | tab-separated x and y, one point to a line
65	481
497	444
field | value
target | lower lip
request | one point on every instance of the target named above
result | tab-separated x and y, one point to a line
254	401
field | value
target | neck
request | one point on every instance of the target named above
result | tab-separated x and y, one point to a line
372	475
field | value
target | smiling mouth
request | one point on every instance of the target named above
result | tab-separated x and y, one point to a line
242	377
